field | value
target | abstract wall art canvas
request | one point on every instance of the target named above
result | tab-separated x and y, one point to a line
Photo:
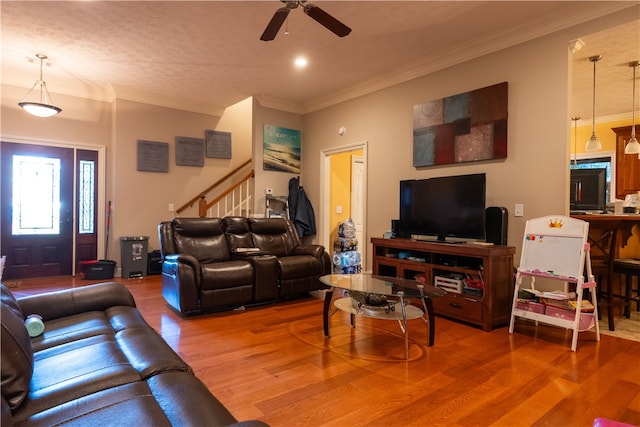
466	127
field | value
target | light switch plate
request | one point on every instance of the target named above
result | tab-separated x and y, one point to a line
519	210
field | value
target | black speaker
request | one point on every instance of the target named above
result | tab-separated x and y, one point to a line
496	225
396	232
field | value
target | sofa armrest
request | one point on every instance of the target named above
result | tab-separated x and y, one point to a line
181	282
266	276
313	250
186	260
97	297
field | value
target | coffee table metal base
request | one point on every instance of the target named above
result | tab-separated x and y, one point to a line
402	312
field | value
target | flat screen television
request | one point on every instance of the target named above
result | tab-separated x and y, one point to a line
448	208
588	190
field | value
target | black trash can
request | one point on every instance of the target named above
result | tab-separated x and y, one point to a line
133	253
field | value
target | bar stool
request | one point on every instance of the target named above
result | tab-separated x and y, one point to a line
602	268
629	268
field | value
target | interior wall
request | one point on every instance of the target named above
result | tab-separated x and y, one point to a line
535	172
150	193
140	199
82	121
278	181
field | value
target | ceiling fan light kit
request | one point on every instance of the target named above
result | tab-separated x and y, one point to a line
311	10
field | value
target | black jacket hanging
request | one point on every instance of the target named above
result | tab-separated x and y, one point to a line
301	210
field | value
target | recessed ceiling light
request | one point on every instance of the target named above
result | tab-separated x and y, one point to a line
301	62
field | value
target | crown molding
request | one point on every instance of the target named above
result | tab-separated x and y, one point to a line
280	104
606	119
463	53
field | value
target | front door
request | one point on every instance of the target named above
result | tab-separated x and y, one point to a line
36	210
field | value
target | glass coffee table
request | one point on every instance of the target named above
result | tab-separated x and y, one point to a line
381	297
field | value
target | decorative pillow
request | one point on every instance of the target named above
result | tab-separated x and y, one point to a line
16	362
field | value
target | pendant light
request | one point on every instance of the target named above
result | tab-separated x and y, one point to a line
42	107
594	143
633	146
575	141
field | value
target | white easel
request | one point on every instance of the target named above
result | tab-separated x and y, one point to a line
556	248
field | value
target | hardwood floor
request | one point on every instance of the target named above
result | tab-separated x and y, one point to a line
273	363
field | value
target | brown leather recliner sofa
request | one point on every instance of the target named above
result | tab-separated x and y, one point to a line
97	363
207	266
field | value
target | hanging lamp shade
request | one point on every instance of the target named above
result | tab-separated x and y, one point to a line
39	106
594	144
633	146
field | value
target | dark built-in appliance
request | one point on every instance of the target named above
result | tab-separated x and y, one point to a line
447	208
588	190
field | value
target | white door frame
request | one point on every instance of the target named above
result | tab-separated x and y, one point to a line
325	192
357	200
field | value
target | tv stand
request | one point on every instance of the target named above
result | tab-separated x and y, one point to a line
488	268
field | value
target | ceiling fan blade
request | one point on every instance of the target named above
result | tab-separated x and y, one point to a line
274	25
328	21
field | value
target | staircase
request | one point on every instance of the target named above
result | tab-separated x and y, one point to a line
231	195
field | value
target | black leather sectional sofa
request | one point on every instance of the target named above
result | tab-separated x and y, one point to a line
98	363
213	264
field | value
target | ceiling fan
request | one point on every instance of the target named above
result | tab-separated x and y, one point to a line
322	17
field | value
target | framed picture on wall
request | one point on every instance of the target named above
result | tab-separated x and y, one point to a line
281	149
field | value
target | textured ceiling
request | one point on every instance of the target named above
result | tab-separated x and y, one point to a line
618	46
206	55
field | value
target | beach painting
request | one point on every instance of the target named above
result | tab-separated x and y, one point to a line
281	147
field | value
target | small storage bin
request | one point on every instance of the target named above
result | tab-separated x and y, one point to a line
449	284
532	306
587	320
98	270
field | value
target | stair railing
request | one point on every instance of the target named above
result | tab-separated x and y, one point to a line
236	199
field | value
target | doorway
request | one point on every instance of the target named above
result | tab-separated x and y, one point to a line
356	197
48	213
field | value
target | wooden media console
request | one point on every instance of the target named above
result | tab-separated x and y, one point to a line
483	275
